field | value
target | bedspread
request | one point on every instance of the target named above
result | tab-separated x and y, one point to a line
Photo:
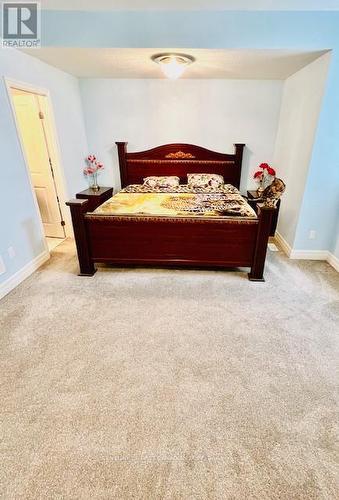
134	200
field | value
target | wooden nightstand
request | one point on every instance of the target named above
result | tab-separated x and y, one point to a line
95	198
253	199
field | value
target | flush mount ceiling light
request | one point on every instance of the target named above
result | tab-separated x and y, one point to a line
173	65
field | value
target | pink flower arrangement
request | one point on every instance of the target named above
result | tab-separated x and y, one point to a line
265	176
92	170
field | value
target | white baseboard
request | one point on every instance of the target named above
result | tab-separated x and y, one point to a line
282	243
333	261
23	273
307	254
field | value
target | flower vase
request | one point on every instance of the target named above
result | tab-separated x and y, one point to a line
94	182
260	190
261	187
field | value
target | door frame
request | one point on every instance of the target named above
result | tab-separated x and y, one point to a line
60	180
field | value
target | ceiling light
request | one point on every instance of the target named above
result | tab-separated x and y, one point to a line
173	65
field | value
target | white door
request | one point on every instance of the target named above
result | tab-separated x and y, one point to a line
30	121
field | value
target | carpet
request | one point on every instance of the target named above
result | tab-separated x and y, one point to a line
170	384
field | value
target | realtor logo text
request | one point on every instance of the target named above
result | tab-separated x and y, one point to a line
21	25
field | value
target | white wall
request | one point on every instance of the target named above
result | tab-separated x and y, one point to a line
300	107
210	113
19	222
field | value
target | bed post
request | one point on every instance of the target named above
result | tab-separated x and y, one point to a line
265	215
122	151
239	149
78	210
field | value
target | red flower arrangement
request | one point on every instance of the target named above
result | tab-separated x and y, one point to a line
92	170
264	177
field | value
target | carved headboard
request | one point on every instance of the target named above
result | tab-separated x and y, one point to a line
180	160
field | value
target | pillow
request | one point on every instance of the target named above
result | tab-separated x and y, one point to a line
205	180
170	181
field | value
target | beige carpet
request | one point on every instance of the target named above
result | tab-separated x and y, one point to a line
160	384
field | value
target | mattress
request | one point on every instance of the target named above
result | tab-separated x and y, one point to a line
177	202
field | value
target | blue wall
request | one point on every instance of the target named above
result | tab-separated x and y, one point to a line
200	29
228	29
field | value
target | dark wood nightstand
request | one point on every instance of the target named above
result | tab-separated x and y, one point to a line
253	199
95	198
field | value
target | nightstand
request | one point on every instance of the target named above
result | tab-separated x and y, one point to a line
253	199
95	198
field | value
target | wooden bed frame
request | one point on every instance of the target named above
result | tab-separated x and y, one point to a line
213	242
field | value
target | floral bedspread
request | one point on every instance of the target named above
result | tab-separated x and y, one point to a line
182	188
181	201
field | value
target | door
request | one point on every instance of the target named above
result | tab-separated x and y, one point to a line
34	137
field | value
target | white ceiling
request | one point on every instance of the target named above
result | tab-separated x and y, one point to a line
137	63
190	4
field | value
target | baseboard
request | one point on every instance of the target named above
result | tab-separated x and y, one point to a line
306	254
282	243
333	261
23	273
309	254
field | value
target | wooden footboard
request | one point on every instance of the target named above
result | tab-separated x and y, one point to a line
168	241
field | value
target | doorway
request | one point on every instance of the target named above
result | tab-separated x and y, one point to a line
33	117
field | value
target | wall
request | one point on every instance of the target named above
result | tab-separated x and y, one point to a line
319	209
19	222
301	103
211	113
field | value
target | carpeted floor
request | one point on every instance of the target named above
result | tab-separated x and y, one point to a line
161	384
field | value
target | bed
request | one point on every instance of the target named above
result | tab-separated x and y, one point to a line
177	228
